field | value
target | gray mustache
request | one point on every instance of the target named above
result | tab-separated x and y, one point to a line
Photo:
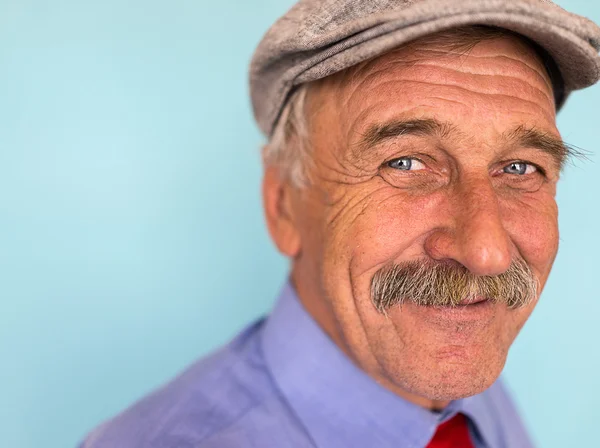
429	283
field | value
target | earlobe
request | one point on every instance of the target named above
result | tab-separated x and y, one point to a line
278	207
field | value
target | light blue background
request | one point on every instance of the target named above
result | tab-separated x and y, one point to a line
131	232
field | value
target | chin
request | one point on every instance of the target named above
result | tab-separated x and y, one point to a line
453	381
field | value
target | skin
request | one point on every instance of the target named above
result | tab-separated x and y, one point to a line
456	205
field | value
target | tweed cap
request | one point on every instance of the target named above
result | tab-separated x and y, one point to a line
317	38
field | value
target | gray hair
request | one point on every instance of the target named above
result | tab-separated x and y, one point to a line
288	146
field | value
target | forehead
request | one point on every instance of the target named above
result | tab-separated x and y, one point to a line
459	43
493	82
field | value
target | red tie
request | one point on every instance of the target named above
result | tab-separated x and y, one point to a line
453	433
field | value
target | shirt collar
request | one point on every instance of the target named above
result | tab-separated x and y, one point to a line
484	410
339	404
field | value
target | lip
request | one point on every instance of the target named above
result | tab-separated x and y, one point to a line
473	301
480	312
473	308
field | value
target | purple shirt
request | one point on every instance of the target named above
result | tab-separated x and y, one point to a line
283	383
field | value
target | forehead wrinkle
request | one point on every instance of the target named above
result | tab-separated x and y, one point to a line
543	74
478	92
484	78
409	55
392	58
509	74
359	84
377	78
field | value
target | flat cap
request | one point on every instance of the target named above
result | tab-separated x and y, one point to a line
317	38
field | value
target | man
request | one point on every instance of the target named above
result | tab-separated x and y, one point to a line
410	177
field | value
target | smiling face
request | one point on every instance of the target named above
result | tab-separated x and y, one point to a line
433	157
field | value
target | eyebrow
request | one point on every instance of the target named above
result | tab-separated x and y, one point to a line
427	127
521	136
547	143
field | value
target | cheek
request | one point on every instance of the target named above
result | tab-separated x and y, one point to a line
387	225
533	227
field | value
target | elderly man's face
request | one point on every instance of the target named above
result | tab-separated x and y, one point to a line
422	156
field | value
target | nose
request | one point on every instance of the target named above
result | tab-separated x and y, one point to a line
476	236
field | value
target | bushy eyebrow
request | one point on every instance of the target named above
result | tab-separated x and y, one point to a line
427	127
558	149
523	136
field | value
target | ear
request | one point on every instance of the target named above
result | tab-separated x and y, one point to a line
277	203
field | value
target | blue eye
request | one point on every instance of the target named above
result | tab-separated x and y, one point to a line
519	168
406	164
401	164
